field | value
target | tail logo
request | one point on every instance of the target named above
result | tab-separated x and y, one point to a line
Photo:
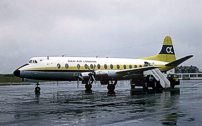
169	50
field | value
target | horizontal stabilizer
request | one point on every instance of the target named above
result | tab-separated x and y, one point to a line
179	61
137	70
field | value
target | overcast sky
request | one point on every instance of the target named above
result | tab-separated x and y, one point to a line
107	28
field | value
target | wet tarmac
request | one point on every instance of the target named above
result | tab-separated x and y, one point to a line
64	104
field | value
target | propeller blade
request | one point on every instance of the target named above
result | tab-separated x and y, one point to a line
94	79
89	68
91	75
93	67
80	76
89	80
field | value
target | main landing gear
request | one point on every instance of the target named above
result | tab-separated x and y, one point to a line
111	87
37	89
88	87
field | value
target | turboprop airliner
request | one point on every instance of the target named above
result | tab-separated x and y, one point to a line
90	70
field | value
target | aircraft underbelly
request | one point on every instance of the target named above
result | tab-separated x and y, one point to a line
69	76
43	75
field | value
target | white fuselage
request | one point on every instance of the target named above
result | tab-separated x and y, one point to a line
65	68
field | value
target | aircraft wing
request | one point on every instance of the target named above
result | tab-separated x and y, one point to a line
137	70
179	61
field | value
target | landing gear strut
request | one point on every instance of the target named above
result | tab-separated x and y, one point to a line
37	89
88	87
145	86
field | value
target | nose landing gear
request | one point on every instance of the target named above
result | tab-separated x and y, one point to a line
37	89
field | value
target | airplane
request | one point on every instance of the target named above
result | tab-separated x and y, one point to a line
89	70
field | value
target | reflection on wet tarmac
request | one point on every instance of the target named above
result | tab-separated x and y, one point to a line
66	105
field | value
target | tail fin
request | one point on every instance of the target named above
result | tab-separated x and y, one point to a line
166	54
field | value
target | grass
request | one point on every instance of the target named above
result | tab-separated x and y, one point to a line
9	78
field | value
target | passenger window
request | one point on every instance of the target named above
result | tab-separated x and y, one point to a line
91	66
124	66
98	66
140	65
111	66
135	66
58	66
105	66
66	66
78	66
130	66
86	66
118	67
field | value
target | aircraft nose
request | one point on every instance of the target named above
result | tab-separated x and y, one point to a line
17	73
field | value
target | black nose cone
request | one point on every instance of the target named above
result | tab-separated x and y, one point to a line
17	73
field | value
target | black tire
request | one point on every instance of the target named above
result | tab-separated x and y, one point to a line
132	86
111	87
37	90
88	86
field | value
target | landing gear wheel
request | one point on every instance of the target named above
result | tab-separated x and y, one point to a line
111	87
37	89
132	86
88	87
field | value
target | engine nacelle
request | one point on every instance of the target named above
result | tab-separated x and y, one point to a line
98	74
85	75
103	77
102	74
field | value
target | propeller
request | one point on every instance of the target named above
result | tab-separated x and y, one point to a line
91	75
78	76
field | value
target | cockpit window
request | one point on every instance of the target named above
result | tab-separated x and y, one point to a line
32	61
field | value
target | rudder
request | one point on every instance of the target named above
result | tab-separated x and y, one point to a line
166	54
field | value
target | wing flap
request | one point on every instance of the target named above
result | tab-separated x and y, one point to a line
137	70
